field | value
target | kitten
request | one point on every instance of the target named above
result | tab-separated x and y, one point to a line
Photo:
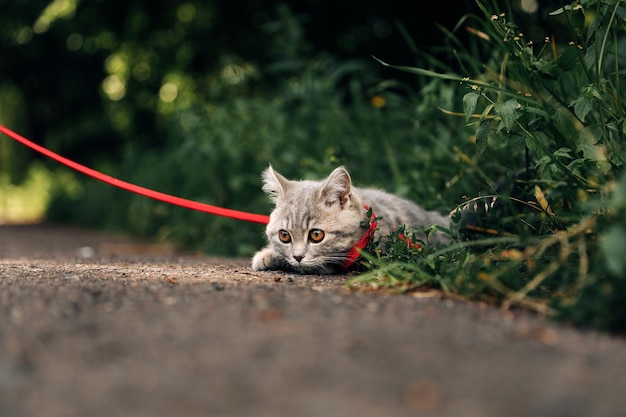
315	223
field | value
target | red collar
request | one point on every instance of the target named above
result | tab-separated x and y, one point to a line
355	252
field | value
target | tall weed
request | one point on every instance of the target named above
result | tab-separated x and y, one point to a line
547	231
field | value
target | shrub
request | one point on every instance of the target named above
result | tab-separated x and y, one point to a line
547	232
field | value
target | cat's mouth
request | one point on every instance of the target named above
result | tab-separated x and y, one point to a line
328	265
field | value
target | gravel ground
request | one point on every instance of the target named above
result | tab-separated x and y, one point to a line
101	325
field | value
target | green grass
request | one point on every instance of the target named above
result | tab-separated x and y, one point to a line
550	121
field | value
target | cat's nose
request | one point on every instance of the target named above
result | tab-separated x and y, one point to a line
298	257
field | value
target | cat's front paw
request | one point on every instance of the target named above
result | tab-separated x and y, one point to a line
264	260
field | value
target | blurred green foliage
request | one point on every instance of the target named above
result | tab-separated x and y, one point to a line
216	151
92	79
187	105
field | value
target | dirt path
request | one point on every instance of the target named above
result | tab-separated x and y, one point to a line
96	325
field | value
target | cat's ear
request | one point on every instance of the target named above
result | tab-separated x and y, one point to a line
274	184
337	188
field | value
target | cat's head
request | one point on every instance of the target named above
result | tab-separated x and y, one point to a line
314	223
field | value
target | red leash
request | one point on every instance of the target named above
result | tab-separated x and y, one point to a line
352	256
182	202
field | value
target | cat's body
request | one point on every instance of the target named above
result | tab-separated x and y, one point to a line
316	223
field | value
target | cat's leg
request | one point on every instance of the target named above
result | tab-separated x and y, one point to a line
266	259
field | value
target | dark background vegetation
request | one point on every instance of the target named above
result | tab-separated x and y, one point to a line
53	74
58	55
61	100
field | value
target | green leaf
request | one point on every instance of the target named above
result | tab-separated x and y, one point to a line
550	68
596	153
588	145
421	71
577	20
469	104
507	112
582	107
590	135
538	143
563	153
482	133
557	12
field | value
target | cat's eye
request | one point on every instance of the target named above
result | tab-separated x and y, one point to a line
316	235
284	236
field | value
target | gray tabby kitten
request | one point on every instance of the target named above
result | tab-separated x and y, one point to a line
316	223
